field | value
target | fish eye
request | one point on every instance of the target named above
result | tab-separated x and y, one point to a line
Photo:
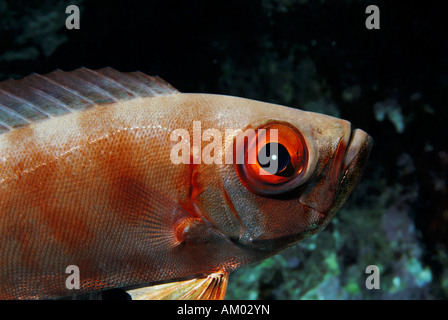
273	160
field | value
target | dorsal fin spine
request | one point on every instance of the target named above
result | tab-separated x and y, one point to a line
51	98
97	88
64	88
5	125
29	104
13	113
114	82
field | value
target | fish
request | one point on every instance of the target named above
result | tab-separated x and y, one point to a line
117	181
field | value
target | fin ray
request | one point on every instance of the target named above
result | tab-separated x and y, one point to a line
153	215
209	287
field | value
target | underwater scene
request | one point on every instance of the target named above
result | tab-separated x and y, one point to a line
381	65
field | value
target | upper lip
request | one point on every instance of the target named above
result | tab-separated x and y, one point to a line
359	145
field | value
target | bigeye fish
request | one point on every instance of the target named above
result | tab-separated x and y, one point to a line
104	184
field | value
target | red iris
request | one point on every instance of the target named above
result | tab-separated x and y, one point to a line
275	159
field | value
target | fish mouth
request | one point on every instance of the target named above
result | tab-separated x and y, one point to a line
359	146
355	159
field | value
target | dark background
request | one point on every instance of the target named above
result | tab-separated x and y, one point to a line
315	55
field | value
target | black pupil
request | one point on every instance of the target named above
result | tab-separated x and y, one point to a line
274	158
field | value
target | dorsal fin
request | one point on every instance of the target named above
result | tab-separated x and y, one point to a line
38	97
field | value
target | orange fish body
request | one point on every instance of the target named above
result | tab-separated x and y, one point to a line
97	188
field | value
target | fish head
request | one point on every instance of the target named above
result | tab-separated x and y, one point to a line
291	171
